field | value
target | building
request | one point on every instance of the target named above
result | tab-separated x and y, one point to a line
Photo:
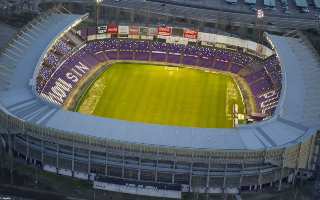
121	156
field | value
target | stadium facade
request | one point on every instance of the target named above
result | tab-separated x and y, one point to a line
156	160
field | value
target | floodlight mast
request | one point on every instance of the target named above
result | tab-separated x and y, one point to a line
98	2
260	14
259	22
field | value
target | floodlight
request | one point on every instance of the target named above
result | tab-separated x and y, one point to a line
260	14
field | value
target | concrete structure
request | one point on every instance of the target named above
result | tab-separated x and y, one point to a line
115	152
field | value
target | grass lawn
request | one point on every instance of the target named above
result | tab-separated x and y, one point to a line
163	95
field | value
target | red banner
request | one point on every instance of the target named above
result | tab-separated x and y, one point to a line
164	30
134	30
187	33
112	28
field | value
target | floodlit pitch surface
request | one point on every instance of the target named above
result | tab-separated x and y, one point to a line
163	95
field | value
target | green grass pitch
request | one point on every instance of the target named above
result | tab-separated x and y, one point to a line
163	95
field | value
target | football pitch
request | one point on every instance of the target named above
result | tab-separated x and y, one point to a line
164	95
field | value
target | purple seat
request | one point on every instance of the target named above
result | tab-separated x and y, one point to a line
140	55
190	60
159	56
112	55
101	57
174	58
221	65
235	68
175	48
89	60
125	55
255	76
205	62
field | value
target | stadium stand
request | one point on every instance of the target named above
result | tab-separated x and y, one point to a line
263	81
175	159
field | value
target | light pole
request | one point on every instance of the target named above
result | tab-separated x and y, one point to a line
98	2
260	16
97	16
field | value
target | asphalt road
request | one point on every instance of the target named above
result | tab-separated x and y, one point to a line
213	13
218	10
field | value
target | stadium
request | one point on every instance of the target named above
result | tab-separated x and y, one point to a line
158	110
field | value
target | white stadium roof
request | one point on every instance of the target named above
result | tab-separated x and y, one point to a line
297	115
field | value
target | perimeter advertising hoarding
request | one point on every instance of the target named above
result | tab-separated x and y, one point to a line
191	34
102	29
164	31
143	31
177	32
152	31
98	37
102	36
134	30
204	37
123	30
177	40
112	29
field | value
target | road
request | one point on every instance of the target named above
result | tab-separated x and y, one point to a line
240	14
